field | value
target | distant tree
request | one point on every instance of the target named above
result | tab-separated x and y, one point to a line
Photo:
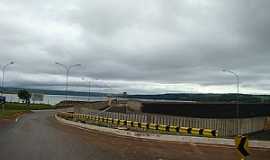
24	95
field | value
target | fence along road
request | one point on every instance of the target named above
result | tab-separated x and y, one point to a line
134	125
225	127
39	136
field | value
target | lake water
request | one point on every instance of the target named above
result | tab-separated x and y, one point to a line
54	99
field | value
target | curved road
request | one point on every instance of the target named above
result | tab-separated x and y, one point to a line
38	136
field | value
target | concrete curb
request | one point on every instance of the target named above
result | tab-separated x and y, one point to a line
161	137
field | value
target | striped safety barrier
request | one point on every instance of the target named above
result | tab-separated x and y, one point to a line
110	120
100	119
210	133
164	128
173	129
196	131
129	123
123	122
93	118
145	125
153	126
105	120
185	130
116	121
137	124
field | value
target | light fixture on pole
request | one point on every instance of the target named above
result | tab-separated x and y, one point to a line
3	75
67	68
89	88
238	90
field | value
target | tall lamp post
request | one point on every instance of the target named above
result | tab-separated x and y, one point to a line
3	75
3	81
237	96
89	88
67	68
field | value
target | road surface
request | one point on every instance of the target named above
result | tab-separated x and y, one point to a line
38	136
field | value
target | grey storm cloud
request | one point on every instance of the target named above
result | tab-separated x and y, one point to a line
149	44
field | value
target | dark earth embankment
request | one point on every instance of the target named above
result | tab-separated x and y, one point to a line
206	110
95	105
184	109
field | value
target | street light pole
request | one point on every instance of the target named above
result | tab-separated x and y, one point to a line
238	91
67	68
89	93
3	81
89	89
3	75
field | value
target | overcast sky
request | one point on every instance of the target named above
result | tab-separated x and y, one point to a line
139	46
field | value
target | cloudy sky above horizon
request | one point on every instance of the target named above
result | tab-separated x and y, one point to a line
142	46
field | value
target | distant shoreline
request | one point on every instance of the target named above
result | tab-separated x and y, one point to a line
188	97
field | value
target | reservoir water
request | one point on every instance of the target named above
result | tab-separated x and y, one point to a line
54	99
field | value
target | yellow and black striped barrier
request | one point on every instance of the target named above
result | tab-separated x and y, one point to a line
163	128
153	126
129	123
123	122
137	124
185	130
197	131
100	119
105	120
67	115
110	120
210	133
93	118
173	129
143	125
116	121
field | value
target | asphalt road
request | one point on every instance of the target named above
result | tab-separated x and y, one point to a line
38	136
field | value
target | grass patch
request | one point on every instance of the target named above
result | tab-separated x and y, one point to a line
21	106
14	109
10	113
